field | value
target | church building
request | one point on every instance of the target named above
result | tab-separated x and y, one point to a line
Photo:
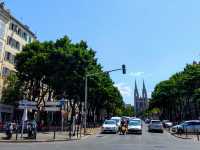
140	102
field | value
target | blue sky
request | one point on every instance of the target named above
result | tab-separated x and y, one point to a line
154	38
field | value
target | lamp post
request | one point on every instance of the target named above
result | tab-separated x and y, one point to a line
85	106
86	91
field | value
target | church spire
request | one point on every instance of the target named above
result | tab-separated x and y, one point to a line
136	97
136	93
144	91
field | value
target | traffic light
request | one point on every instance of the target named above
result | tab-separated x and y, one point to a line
123	69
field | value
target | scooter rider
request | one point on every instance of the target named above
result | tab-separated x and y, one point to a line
9	130
123	124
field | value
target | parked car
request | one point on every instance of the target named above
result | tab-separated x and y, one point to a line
135	126
155	125
118	120
109	126
167	124
190	126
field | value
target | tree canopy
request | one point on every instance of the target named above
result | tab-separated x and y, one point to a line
179	97
52	70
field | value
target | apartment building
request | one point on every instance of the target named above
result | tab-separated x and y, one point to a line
13	36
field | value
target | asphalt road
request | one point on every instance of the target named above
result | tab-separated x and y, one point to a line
146	141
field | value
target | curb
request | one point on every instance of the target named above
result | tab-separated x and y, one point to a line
186	138
173	134
36	141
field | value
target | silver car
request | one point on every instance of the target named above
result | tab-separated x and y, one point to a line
155	125
135	126
187	126
109	126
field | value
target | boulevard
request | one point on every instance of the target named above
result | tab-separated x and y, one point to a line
146	141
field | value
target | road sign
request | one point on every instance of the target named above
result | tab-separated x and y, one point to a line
52	103
28	103
28	107
51	108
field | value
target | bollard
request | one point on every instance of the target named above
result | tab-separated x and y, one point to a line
186	132
80	130
70	132
16	133
54	134
77	131
197	134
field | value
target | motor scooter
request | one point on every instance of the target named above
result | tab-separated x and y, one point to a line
123	129
9	131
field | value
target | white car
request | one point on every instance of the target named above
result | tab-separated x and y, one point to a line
118	120
155	125
135	126
167	124
109	126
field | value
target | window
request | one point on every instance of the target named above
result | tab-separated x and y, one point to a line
13	27
18	31
2	29
13	43
24	36
5	72
9	57
30	40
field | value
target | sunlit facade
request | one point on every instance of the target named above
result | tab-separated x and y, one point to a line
13	36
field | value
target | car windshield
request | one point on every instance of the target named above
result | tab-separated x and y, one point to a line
110	122
156	122
165	120
135	123
117	120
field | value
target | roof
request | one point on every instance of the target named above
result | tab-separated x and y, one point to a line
23	26
193	121
11	17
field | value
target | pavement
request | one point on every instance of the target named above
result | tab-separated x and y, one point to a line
98	141
195	137
48	136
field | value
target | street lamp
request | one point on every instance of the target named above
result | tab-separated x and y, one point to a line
86	91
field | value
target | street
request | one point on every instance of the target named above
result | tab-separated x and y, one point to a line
146	141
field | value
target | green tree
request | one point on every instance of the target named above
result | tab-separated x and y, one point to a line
128	111
11	92
54	70
178	97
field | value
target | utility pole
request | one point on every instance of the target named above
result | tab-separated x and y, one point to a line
85	106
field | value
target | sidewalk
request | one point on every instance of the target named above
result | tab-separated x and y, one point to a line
49	136
185	136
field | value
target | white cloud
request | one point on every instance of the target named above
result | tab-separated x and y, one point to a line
124	89
136	74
